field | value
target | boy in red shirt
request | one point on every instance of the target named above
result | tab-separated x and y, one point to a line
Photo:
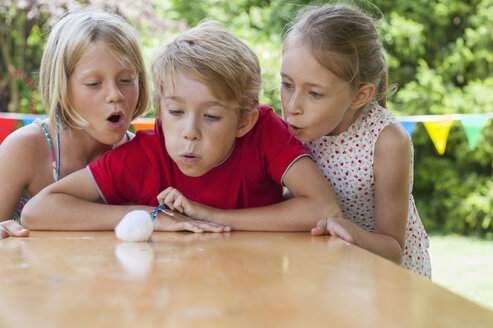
215	154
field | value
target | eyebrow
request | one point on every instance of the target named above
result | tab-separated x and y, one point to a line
204	104
173	98
92	71
309	84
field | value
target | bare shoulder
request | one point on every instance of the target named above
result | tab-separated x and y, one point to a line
24	145
393	139
393	154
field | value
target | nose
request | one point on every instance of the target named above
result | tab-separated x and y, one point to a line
191	130
114	94
294	104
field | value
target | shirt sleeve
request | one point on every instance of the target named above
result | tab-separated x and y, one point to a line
117	172
280	150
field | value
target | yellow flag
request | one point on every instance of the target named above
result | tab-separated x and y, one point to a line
438	131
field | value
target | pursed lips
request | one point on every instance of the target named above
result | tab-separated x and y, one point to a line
293	129
189	157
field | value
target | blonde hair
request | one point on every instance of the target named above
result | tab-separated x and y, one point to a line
216	58
70	39
345	41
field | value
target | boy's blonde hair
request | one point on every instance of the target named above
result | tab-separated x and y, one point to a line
345	41
70	39
214	57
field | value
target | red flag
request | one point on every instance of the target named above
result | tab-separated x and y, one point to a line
7	125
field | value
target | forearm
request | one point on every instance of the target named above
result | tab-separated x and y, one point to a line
379	243
296	214
58	211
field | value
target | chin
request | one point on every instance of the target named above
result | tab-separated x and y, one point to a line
193	174
188	170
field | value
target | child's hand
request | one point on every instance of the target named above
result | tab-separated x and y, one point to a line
337	227
179	222
175	201
12	228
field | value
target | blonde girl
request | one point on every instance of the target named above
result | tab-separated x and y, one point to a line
93	83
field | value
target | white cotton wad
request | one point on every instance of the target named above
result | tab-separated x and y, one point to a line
135	226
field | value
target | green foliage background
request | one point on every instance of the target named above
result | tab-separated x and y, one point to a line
440	59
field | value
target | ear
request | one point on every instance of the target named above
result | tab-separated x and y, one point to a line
363	96
247	123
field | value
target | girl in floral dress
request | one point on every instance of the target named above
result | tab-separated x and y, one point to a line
333	94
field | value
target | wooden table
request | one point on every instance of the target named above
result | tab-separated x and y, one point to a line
240	279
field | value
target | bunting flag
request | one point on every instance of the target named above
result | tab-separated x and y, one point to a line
27	121
143	124
7	125
473	126
409	126
438	131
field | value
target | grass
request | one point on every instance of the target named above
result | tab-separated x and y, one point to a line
463	265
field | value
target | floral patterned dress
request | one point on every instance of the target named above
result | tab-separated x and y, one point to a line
346	160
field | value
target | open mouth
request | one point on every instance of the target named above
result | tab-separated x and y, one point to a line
115	118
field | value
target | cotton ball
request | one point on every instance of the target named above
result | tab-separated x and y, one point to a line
135	226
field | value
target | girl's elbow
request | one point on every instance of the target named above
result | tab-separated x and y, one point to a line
29	215
26	217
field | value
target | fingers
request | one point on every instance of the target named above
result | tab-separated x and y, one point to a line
161	197
320	229
335	229
331	227
165	195
202	226
12	228
173	199
180	222
192	227
178	205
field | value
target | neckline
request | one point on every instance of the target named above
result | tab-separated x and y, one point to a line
227	156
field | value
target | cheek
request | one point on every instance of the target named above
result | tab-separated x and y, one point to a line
132	93
169	144
169	131
284	96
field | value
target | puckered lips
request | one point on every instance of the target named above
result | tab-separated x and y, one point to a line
189	158
294	130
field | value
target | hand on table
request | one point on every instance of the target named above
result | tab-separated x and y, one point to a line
337	227
11	228
179	222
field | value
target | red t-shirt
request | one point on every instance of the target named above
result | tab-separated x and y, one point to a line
251	176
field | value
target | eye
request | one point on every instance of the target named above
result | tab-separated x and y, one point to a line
175	112
212	117
129	80
92	84
286	85
315	94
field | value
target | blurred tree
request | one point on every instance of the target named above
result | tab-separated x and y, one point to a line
25	23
